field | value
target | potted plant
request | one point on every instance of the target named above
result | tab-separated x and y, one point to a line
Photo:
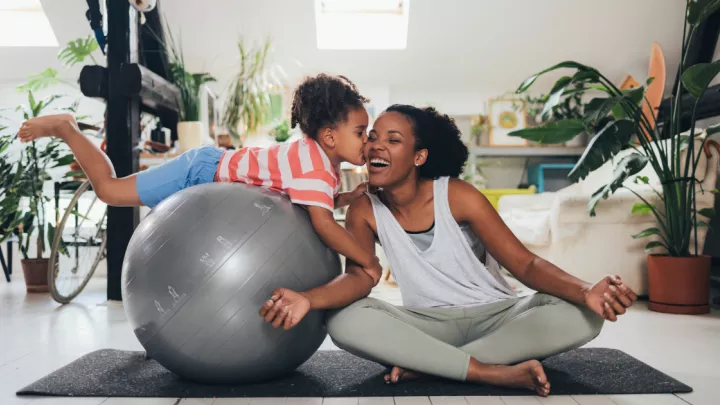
281	132
191	133
10	172
28	200
249	101
678	279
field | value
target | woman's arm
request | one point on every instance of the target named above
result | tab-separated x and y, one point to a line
469	205
287	308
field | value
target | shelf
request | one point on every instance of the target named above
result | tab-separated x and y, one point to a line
526	151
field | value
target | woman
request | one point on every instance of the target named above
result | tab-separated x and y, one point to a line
460	319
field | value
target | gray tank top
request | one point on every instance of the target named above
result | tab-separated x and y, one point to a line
447	273
424	239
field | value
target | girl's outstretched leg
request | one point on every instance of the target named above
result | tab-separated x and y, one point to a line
94	162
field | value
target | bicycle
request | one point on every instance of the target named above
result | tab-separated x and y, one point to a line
84	241
85	246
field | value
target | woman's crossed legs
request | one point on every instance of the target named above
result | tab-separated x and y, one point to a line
498	343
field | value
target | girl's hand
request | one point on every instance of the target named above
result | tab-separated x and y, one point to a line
285	308
609	298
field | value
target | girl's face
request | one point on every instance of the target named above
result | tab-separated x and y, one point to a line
351	135
390	151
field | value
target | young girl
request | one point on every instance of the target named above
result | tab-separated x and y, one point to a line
330	112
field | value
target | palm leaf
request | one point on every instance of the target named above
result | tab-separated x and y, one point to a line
609	141
78	50
42	80
628	166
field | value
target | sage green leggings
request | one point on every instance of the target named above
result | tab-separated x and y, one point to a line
440	341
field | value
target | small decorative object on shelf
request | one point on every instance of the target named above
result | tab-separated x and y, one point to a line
479	129
506	115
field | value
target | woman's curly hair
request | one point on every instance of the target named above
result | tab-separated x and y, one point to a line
322	101
438	134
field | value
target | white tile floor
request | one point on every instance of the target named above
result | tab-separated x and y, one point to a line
38	336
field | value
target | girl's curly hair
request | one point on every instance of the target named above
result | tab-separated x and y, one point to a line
323	100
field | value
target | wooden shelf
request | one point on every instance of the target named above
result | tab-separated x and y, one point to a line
526	151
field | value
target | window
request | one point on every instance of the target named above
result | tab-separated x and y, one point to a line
361	24
23	23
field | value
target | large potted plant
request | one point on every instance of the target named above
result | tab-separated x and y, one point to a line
28	200
249	99
191	133
10	172
678	278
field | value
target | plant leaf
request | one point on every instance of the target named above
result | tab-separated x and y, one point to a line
628	166
598	108
715	191
700	10
653	245
609	141
712	129
64	161
634	96
641	209
698	77
646	233
642	179
42	80
552	132
707	212
567	64
76	51
701	224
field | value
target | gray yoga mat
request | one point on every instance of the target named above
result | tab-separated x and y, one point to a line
115	373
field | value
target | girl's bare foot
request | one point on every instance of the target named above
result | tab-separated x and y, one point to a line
398	374
48	125
529	375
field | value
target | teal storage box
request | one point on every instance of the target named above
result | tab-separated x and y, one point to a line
549	176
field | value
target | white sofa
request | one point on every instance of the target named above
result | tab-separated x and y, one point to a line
557	227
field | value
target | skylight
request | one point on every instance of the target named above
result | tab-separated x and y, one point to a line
23	23
361	24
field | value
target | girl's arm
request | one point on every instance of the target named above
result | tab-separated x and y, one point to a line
286	307
607	297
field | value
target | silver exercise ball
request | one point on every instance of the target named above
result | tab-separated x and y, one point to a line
200	266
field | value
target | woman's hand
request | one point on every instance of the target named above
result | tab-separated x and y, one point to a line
285	308
609	298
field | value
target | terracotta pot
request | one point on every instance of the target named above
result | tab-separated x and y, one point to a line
679	285
36	274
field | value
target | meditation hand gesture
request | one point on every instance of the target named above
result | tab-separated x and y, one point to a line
285	308
609	298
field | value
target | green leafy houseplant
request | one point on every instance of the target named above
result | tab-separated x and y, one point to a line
10	173
36	159
617	120
73	53
188	83
281	132
248	101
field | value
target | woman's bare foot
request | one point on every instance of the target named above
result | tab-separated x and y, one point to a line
44	126
529	375
398	374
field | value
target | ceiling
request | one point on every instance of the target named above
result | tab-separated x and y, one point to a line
453	45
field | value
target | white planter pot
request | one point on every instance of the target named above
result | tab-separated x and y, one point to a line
577	142
190	135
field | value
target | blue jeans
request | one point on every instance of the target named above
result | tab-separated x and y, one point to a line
196	166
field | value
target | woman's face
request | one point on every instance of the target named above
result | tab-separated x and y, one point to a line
390	150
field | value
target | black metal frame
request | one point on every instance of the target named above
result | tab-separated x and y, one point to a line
700	50
129	87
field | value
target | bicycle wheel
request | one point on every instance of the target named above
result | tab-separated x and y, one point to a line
78	246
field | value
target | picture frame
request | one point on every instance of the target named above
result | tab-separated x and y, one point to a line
504	116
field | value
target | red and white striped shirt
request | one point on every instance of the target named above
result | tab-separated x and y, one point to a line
300	169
